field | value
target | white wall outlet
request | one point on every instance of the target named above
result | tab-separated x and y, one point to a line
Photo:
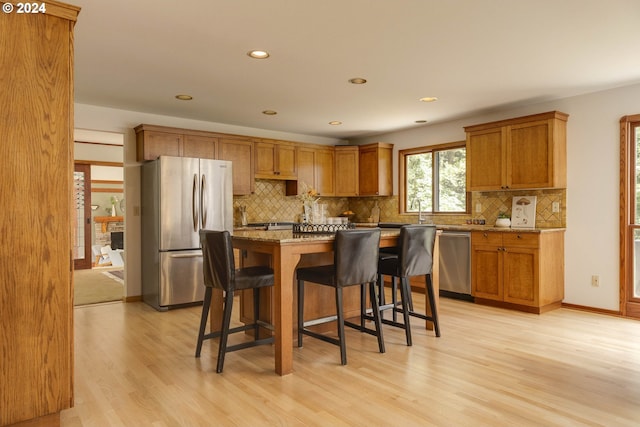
595	280
478	207
555	207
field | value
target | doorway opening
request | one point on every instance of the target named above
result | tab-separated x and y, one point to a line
99	274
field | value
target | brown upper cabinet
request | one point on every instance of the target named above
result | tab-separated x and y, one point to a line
315	169
346	170
522	153
240	152
155	141
375	176
275	160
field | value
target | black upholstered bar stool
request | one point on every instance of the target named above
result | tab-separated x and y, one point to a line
355	264
220	272
415	258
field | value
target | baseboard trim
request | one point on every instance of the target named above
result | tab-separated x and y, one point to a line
616	313
134	298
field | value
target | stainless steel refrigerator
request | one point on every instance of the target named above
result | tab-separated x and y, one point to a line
180	196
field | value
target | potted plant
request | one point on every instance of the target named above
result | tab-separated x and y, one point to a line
503	220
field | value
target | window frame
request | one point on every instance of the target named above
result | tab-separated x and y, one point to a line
402	177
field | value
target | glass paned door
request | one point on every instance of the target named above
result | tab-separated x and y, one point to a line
82	258
630	216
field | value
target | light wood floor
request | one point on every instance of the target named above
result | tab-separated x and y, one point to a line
491	367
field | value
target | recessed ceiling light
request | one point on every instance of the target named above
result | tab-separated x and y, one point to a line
429	99
270	112
258	54
335	123
421	121
184	97
357	81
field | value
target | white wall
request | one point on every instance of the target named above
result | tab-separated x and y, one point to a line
89	118
593	168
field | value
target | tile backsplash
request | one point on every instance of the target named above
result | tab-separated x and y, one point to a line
269	204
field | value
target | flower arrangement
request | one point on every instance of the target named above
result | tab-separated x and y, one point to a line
308	195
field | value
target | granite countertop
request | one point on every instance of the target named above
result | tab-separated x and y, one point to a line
471	227
288	236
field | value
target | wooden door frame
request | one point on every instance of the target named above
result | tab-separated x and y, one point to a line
628	307
87	262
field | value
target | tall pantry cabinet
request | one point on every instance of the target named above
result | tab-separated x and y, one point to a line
36	183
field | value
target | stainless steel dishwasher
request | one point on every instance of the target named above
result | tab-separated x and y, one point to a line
455	264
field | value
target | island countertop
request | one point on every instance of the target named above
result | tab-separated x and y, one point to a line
289	237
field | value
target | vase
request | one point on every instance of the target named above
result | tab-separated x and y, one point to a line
113	210
307	213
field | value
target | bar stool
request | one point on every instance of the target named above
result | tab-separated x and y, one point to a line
415	258
355	263
220	272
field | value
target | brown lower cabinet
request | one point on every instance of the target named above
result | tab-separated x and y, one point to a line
519	270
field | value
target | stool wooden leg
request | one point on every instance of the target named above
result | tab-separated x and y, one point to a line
224	332
343	348
376	316
432	304
203	319
404	290
394	297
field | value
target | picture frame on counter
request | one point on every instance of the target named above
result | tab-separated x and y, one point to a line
523	212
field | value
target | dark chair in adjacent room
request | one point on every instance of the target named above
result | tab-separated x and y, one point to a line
415	258
355	264
220	272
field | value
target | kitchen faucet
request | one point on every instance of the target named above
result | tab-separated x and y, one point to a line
419	210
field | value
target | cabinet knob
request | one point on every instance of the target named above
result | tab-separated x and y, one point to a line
485	235
518	236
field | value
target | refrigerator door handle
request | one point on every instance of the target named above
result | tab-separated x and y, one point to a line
194	205
186	255
203	202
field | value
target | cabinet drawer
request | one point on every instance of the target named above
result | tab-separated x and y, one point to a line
486	238
529	240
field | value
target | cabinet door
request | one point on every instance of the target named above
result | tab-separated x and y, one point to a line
202	147
487	272
286	165
529	153
347	174
324	172
306	167
485	160
375	170
369	173
520	276
265	160
156	144
240	152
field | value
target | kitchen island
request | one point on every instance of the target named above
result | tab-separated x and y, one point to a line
284	250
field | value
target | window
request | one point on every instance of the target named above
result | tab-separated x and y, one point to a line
433	179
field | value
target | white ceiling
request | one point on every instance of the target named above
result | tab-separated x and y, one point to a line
474	55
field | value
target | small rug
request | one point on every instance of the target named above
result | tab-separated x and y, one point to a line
94	286
117	275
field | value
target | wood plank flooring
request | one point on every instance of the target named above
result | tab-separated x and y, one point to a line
491	367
